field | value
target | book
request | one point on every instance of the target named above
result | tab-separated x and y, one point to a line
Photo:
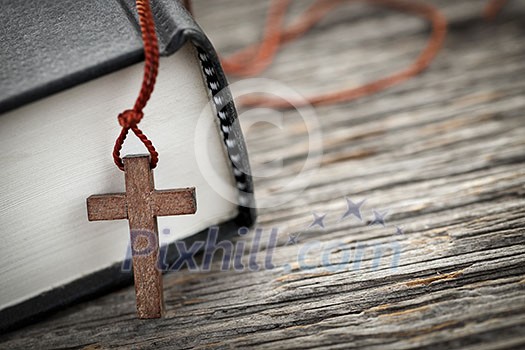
69	68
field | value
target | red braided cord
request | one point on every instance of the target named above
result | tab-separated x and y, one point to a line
493	8
131	117
253	59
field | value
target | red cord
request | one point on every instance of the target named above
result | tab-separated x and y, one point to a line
131	117
253	59
493	8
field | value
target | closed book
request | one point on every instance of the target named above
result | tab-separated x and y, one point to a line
68	69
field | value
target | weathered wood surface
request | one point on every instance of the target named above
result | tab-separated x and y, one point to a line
444	153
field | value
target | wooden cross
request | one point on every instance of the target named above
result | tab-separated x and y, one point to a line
141	204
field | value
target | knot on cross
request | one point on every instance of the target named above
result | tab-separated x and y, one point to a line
130	118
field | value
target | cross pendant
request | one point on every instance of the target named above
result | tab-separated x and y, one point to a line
141	204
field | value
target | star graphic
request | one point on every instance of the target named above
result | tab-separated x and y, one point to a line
399	231
292	239
318	220
353	209
379	218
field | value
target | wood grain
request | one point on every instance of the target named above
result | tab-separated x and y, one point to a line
443	153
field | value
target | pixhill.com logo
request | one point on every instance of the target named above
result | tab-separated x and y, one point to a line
314	254
255	249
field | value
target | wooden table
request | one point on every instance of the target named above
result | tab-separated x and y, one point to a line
444	154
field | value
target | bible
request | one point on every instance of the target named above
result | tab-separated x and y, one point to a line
68	69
